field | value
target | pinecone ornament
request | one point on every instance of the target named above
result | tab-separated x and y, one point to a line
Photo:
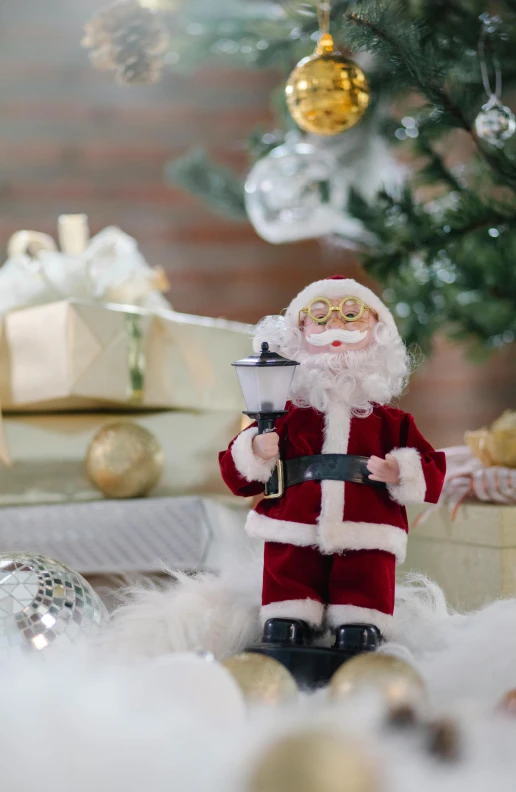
126	38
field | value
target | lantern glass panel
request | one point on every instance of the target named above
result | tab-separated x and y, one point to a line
265	388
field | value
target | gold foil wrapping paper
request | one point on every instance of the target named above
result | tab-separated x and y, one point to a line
495	445
73	355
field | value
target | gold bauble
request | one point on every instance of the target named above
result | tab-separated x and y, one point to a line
397	681
326	93
124	460
262	679
313	761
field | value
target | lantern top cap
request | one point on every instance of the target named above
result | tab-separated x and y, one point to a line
265	358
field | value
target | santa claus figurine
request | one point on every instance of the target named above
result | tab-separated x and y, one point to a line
351	463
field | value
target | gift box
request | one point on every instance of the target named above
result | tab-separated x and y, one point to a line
470	551
87	327
123	537
48	504
49	450
76	355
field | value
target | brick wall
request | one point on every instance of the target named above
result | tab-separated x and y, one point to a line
71	140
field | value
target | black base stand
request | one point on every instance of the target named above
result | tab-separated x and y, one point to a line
287	640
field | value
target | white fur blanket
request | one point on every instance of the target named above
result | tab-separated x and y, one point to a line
123	714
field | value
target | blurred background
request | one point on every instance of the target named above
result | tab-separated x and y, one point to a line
73	140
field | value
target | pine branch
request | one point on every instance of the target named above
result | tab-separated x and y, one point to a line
510	5
440	261
218	187
404	228
436	169
426	73
438	238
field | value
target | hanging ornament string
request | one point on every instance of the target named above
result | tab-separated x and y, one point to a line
495	123
323	16
483	65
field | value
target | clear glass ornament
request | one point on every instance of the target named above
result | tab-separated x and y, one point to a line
43	602
495	123
293	194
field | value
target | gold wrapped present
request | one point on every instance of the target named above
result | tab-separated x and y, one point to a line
471	553
49	451
75	355
495	445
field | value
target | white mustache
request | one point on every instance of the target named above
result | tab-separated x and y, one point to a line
328	336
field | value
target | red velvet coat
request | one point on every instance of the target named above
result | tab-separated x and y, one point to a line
332	515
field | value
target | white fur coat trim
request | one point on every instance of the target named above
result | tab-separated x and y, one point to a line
412	486
261	527
330	537
246	462
337	424
352	614
339	536
308	610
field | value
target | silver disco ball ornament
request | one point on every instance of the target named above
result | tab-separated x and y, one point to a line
495	123
42	603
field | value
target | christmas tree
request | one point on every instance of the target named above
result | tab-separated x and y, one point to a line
442	243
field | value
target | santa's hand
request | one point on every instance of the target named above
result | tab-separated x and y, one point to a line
266	446
386	470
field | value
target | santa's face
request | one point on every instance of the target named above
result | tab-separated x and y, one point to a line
337	326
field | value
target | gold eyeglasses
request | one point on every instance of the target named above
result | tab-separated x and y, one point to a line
320	310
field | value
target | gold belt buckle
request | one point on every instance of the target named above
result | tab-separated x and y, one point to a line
281	482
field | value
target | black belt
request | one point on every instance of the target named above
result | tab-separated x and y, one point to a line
319	467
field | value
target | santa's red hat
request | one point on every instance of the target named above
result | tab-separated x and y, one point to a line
335	288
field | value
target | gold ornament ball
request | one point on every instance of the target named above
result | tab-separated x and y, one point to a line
326	93
124	460
261	679
313	761
397	681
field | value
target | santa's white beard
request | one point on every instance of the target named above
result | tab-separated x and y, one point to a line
357	378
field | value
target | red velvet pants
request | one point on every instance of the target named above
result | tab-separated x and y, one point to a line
299	581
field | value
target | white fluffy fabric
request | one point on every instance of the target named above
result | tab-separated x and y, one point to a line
126	715
308	610
250	466
215	613
355	378
462	656
351	614
412	486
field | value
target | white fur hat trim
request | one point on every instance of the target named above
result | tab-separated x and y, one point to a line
335	288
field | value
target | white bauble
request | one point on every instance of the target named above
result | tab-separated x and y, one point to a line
292	194
300	190
193	682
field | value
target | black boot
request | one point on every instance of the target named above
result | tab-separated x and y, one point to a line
290	641
286	632
354	639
